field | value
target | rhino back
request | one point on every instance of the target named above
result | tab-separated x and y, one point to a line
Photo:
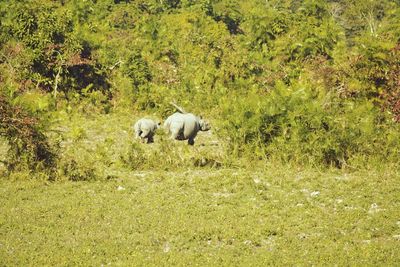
145	124
173	118
186	123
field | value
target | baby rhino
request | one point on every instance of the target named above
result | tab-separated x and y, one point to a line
145	129
185	126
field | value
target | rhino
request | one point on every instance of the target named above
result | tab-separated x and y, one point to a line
145	129
185	126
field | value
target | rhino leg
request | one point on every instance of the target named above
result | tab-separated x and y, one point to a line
138	134
174	134
191	141
176	130
144	134
150	139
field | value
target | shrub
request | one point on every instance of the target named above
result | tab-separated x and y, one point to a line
304	125
137	69
29	147
75	171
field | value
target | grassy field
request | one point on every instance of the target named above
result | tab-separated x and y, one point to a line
156	205
202	217
300	167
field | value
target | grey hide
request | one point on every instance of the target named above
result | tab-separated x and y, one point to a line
145	129
185	126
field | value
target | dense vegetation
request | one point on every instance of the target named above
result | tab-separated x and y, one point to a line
302	81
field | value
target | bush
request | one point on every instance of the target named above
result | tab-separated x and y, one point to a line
29	147
304	125
75	171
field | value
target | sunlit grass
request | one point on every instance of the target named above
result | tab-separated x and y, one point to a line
220	217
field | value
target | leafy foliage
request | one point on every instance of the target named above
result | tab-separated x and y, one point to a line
299	124
29	147
287	79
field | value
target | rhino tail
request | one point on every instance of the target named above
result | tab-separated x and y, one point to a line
180	109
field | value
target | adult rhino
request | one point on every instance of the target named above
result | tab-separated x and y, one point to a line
145	129
185	126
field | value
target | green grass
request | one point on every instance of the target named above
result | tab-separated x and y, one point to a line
106	145
223	217
153	205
